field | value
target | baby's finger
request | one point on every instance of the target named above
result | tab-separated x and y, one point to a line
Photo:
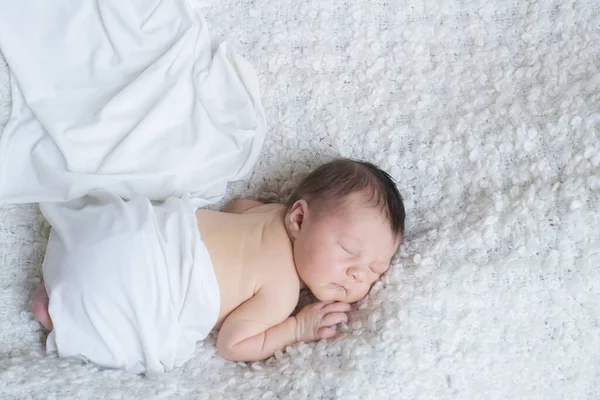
337	307
320	304
333	319
326	333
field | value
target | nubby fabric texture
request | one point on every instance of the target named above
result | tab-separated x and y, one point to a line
487	115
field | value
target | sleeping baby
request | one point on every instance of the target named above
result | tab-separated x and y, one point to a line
134	285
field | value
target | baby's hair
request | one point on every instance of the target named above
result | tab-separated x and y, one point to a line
332	181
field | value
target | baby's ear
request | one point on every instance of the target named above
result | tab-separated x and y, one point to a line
296	217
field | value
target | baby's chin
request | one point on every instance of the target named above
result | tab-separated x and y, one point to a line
330	293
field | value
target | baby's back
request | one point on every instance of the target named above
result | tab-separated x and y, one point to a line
249	250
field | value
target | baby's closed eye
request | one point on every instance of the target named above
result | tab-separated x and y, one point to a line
345	250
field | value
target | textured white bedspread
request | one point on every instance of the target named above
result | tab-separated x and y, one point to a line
488	115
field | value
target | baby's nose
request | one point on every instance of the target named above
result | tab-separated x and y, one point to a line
356	274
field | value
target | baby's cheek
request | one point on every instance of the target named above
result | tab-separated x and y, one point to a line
320	260
310	256
362	293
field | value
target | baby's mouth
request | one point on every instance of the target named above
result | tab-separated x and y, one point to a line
338	287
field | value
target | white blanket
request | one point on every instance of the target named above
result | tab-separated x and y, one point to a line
131	284
124	96
130	102
487	113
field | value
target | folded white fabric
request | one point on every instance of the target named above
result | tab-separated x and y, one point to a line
117	101
125	97
131	285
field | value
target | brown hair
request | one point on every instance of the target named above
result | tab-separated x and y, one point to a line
338	178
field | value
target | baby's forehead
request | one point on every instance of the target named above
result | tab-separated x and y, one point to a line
364	209
366	226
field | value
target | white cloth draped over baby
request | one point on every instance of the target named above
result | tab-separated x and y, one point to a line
131	285
116	104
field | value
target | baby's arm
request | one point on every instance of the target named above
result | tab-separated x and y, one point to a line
258	327
262	325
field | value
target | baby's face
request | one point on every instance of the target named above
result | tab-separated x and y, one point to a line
339	256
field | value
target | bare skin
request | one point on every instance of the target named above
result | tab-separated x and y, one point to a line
263	255
39	307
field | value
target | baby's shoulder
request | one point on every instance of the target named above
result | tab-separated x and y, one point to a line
250	206
277	264
278	270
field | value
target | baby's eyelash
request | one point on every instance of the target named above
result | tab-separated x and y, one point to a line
346	250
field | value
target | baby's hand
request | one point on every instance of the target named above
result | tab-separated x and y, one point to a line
315	321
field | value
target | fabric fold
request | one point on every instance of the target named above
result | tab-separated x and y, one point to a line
123	123
131	284
123	97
